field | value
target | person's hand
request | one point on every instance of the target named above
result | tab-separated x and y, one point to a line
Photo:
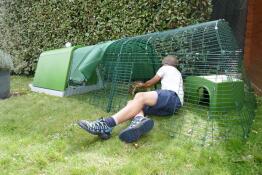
135	86
138	84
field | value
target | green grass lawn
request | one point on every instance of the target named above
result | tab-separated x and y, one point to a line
38	135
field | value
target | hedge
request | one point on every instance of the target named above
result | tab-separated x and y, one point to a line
32	26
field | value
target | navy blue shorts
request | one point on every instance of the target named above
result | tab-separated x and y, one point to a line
167	104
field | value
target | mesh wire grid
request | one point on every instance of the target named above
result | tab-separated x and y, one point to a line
207	52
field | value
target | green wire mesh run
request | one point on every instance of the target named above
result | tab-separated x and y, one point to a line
219	103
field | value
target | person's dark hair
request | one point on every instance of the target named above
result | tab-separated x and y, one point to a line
170	60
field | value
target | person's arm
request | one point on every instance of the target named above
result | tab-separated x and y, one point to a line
149	83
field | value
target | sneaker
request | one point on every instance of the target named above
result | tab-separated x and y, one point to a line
98	127
138	127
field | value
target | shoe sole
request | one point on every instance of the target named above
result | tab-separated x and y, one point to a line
130	135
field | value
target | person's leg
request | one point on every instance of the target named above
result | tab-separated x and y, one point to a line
104	126
135	106
138	126
166	105
140	114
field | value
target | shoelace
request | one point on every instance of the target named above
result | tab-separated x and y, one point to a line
100	126
135	121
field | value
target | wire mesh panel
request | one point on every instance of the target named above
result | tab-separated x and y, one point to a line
218	102
116	82
235	12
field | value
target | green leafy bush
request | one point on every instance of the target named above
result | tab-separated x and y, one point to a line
5	61
30	27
